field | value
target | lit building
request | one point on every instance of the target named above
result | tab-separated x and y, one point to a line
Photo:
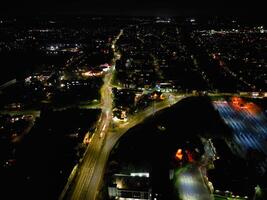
134	186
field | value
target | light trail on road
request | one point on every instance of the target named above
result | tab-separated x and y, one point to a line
82	185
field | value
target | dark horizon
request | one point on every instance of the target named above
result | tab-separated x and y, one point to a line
134	8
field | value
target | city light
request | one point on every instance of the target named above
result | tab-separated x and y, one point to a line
197	86
91	73
179	154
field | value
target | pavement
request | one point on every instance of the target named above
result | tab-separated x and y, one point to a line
191	184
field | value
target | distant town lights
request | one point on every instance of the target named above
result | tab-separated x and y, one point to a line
53	48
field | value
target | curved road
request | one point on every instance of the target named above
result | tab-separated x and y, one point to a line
91	169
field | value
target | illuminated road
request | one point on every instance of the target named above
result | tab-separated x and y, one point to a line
90	171
7	84
81	186
92	168
112	138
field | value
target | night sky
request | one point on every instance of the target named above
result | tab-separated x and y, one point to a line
135	7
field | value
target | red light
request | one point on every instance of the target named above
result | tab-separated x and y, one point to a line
237	102
189	156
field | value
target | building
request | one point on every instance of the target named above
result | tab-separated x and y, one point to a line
134	186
